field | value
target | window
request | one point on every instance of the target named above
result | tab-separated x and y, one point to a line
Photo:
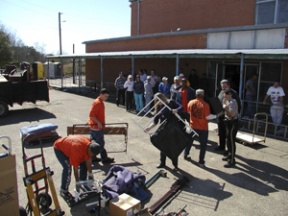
283	11
271	11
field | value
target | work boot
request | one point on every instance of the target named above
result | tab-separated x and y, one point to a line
161	165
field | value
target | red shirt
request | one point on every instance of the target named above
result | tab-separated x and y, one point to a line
74	147
198	110
184	96
97	110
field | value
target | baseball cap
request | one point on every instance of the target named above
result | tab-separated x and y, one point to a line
199	92
224	81
94	147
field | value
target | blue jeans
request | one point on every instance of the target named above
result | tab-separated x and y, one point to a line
98	136
203	138
67	169
148	98
138	98
250	111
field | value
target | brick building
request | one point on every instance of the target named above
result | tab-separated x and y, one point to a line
219	39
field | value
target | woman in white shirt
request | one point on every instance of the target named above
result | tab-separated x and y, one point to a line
129	85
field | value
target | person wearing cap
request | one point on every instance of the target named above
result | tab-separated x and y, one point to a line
185	95
119	85
162	113
175	88
230	107
129	86
164	87
148	92
75	151
225	85
96	122
199	112
181	76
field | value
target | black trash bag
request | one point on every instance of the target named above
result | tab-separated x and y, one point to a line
171	137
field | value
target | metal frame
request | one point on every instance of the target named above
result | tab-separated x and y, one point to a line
188	129
246	138
31	182
109	129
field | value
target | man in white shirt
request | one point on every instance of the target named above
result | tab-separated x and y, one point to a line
276	94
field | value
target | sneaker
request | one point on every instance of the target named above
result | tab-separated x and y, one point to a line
161	166
108	160
96	159
229	165
176	169
63	193
202	165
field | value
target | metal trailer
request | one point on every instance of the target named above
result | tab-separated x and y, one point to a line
20	92
248	138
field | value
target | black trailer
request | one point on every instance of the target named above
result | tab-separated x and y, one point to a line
19	92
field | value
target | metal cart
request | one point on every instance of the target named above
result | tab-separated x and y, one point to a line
38	180
247	138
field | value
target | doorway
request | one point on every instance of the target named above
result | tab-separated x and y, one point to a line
231	72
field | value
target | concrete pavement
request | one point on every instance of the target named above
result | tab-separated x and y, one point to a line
258	185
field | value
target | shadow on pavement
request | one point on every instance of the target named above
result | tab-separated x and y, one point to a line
266	172
23	115
200	192
244	181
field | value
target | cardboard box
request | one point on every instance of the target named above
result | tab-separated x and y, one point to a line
124	205
9	204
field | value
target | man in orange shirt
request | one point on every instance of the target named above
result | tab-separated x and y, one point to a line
200	114
96	123
75	150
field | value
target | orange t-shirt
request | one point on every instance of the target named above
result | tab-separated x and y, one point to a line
97	110
74	147
198	110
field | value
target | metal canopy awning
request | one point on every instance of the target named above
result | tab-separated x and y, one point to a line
196	53
241	54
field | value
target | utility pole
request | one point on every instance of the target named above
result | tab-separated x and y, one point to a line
60	47
74	81
60	36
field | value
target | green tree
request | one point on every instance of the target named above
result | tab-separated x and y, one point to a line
5	48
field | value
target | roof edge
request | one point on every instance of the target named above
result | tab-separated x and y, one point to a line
198	31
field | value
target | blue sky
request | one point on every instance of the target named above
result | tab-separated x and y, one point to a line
35	22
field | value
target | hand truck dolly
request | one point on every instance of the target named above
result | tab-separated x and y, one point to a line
39	183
